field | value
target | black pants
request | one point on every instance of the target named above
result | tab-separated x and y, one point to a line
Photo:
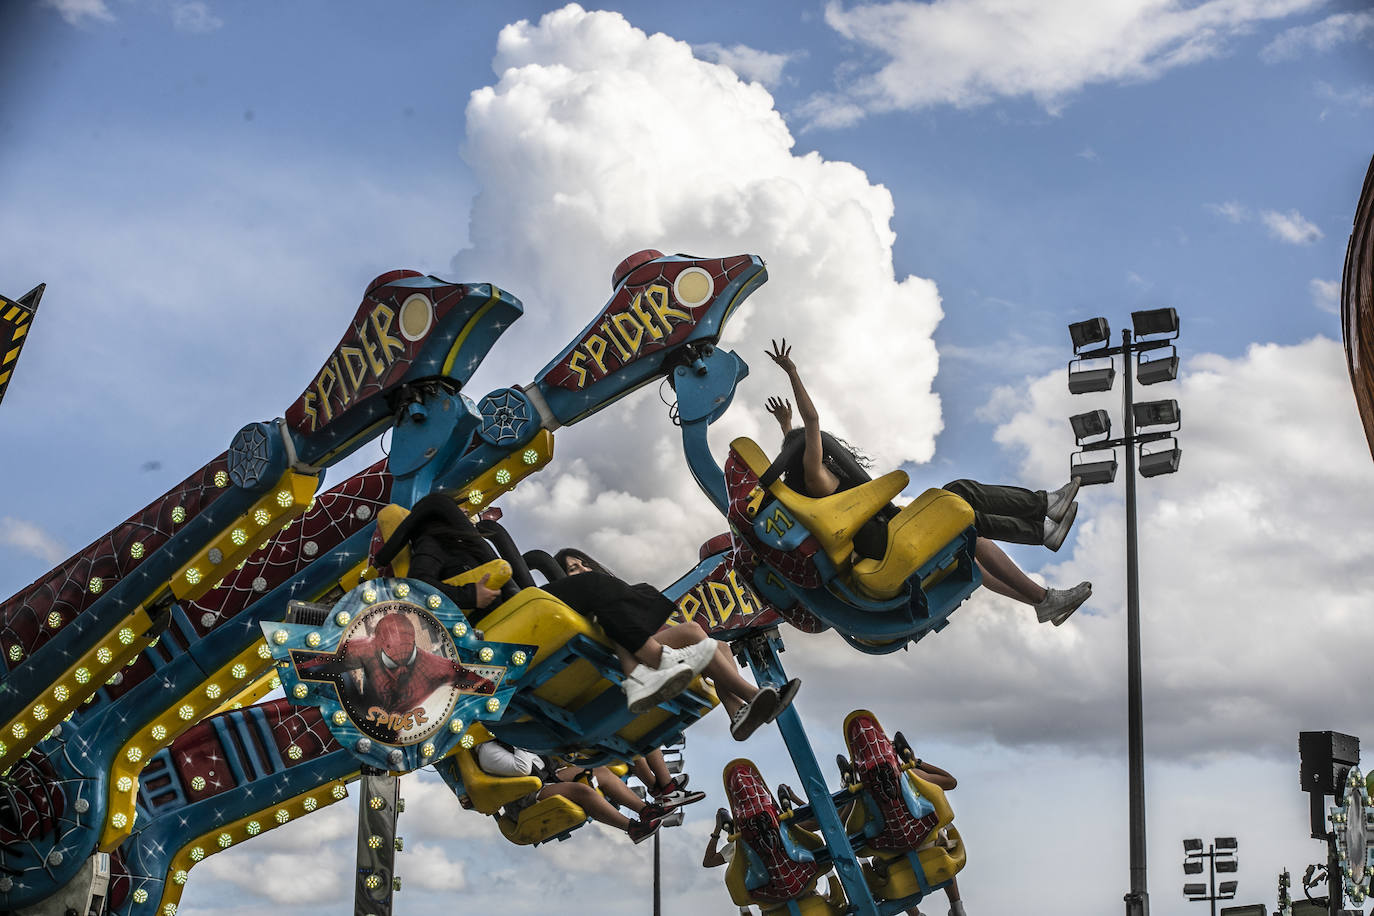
629	614
1011	514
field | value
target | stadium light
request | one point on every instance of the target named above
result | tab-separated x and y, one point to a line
1154	333
1086	333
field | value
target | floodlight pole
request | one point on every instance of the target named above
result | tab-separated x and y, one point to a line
1138	900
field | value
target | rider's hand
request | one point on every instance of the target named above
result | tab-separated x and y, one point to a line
485	595
781	411
782	355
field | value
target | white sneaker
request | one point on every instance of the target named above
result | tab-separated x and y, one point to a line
1060	499
646	687
696	656
1056	532
1059	604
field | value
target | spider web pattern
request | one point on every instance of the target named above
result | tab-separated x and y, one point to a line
34	817
337	514
722	271
875	763
26	618
756	812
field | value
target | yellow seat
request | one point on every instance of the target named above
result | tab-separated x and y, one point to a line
488	793
737	870
535	823
833	520
391	516
534	617
920	531
938	864
545	819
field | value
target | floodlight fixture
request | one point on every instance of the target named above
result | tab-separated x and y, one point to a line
1192	847
1086	381
1225	842
1227	865
1091	425
1089	473
1086	333
1249	909
1159	369
1156	413
1160	461
1226	890
1155	321
1192	867
1195	891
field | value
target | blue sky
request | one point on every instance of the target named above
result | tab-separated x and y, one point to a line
939	189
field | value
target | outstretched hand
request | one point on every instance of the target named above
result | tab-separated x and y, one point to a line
782	355
485	595
782	412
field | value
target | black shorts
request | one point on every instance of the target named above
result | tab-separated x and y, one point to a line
629	614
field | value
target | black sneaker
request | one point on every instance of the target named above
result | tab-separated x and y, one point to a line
756	712
640	830
786	695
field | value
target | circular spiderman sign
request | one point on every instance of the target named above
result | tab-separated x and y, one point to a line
399	675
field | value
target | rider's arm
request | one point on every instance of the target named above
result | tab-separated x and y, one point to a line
820	480
934	775
713	857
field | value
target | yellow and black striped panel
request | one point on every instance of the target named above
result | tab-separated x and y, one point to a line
15	319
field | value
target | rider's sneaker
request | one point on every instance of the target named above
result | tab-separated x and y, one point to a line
754	713
675	784
641	829
1058	501
677	798
646	687
1055	532
786	694
696	656
1059	604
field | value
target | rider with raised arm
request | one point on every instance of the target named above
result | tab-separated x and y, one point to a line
1013	514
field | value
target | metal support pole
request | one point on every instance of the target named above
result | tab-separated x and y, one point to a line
658	902
373	883
1212	875
767	668
1138	900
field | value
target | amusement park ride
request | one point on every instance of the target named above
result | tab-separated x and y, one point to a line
131	715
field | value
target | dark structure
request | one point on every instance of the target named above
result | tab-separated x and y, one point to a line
1357	306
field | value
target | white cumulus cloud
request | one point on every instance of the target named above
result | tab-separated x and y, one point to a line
79	12
1326	294
1291	227
969	52
750	63
195	17
31	539
1319	36
1231	211
555	141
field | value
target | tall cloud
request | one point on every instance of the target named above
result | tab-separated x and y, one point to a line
598	140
